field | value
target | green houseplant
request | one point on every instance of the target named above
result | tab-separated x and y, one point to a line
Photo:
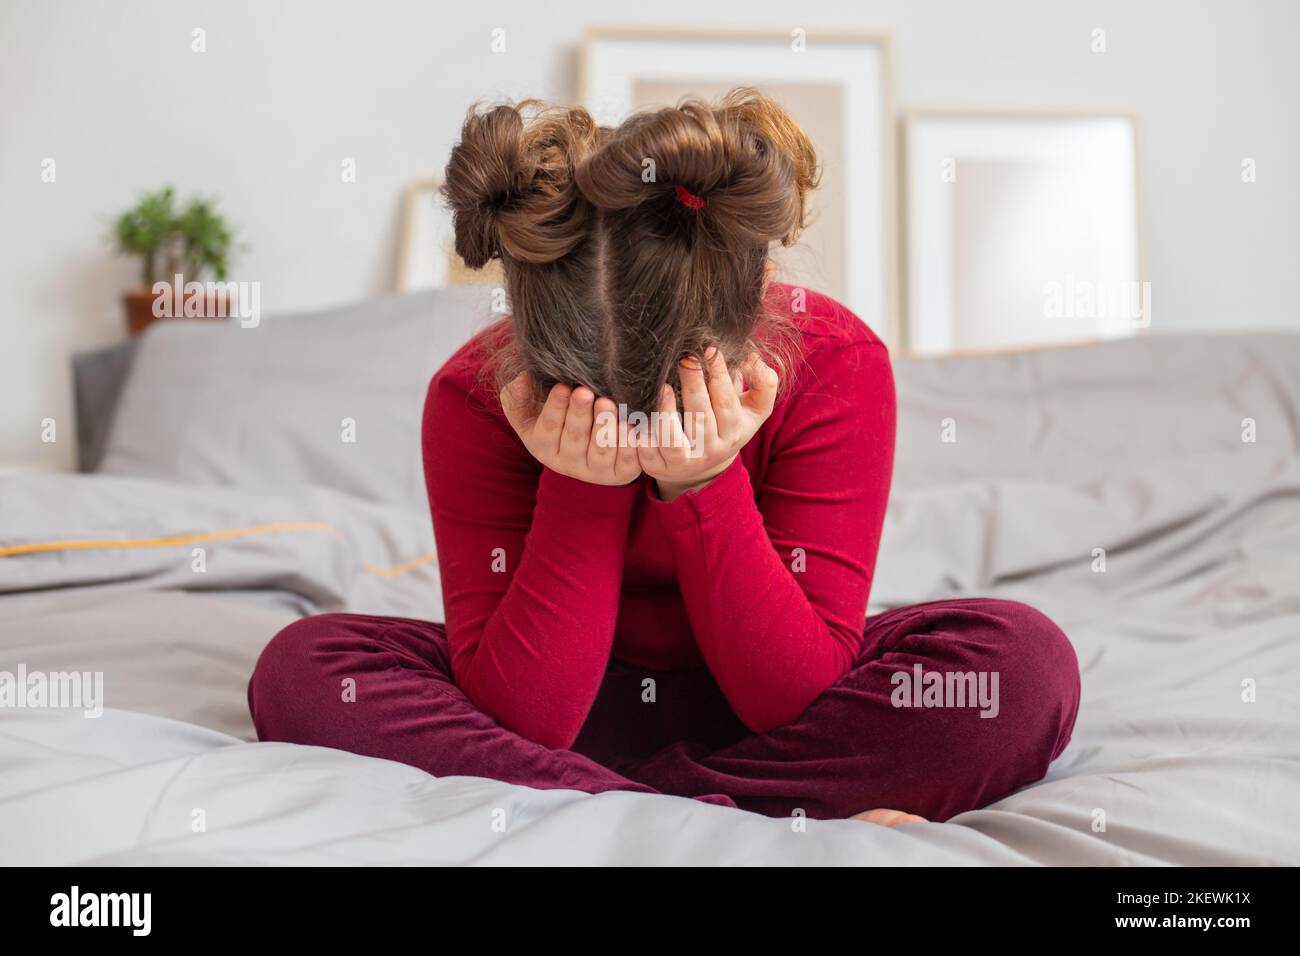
192	240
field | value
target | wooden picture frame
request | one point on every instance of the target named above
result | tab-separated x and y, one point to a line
427	256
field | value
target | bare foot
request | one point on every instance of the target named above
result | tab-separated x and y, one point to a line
888	818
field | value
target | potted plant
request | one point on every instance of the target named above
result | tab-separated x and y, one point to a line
192	241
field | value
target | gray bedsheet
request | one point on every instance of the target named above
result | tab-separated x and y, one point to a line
1187	749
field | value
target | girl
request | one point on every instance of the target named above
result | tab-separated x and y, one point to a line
680	606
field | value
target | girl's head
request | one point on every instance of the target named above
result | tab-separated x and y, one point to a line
628	249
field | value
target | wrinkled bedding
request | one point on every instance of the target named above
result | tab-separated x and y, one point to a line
1187	748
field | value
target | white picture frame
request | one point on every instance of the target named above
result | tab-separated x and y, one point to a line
1013	223
846	80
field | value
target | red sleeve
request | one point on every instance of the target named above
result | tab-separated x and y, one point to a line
776	589
531	568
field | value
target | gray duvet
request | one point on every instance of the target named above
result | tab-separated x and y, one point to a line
1144	493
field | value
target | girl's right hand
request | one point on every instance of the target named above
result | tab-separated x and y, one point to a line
573	432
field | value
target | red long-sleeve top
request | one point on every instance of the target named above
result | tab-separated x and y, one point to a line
762	575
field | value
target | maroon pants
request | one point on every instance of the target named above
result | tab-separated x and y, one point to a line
902	729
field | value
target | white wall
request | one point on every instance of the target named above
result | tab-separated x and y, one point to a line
285	91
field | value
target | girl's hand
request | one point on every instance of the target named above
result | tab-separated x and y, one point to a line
719	420
572	432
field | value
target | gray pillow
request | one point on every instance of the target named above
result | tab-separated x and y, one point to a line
97	380
215	402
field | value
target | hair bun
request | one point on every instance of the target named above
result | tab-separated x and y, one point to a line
741	169
510	183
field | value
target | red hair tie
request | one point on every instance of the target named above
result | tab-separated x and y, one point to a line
688	198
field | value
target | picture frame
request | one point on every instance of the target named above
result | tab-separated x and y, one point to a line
427	256
836	85
1020	229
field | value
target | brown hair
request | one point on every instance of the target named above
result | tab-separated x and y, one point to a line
628	249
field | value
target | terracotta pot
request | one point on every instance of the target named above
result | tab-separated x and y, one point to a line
139	310
139	305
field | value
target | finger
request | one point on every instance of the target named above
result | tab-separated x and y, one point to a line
550	420
576	435
672	439
626	464
722	395
517	402
602	450
645	439
651	461
697	409
763	381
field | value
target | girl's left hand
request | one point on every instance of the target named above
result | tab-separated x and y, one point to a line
719	419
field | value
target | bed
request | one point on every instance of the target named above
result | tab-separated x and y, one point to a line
1145	493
